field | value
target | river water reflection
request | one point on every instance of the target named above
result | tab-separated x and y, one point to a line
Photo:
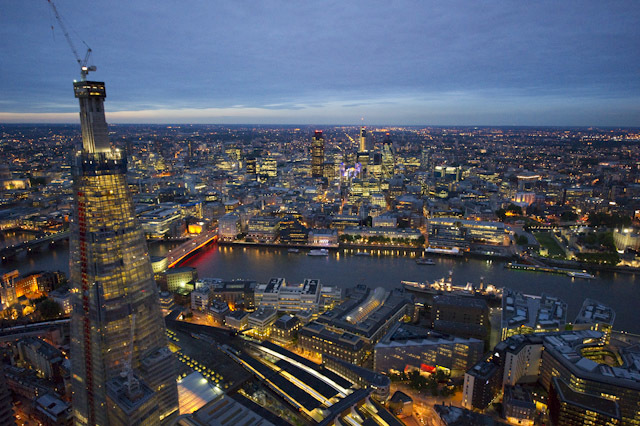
345	269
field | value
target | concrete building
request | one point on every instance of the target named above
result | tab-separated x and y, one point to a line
360	376
229	227
161	222
351	329
130	402
401	404
238	294
52	411
285	329
323	237
518	406
237	320
45	359
200	298
260	322
62	297
310	295
217	312
461	316
263	229
523	313
316	338
595	316
181	278
450	232
577	370
6	406
408	347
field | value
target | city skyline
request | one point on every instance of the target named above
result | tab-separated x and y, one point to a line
547	64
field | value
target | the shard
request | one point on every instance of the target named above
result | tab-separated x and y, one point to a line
118	333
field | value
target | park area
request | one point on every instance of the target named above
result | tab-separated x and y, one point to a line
548	242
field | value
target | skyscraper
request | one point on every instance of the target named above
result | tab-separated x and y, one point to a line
363	139
388	160
317	154
116	319
363	153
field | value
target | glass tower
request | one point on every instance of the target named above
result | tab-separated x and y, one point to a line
116	319
317	154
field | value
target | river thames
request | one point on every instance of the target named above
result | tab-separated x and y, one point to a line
345	269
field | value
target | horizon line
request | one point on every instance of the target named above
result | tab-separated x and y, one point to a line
567	126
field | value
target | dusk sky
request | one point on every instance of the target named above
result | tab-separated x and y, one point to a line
562	63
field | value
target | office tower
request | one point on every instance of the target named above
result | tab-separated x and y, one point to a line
363	139
317	154
116	319
251	165
388	160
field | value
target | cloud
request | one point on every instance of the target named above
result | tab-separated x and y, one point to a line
304	55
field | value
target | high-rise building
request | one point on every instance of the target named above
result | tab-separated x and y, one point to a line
116	319
388	160
363	139
317	154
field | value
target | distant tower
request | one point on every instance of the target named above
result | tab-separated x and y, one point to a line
388	160
363	139
112	281
317	154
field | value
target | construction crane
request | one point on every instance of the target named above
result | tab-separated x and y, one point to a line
84	69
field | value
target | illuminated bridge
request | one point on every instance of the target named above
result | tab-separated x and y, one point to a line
34	244
191	246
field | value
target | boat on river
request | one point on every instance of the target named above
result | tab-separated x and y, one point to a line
581	274
318	252
445	286
425	261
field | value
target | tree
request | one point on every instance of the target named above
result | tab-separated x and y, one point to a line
613	220
522	240
49	309
568	216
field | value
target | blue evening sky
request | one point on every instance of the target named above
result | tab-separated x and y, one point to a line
417	62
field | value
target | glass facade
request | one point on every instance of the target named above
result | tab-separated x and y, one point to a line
114	295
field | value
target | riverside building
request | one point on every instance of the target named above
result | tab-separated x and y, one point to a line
524	313
310	295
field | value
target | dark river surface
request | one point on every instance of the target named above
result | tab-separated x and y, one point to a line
344	269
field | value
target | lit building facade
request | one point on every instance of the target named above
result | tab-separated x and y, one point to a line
408	347
114	294
310	295
317	154
583	386
449	232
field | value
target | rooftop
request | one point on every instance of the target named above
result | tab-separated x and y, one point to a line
593	312
541	312
411	335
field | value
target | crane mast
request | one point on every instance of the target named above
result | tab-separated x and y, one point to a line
84	69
